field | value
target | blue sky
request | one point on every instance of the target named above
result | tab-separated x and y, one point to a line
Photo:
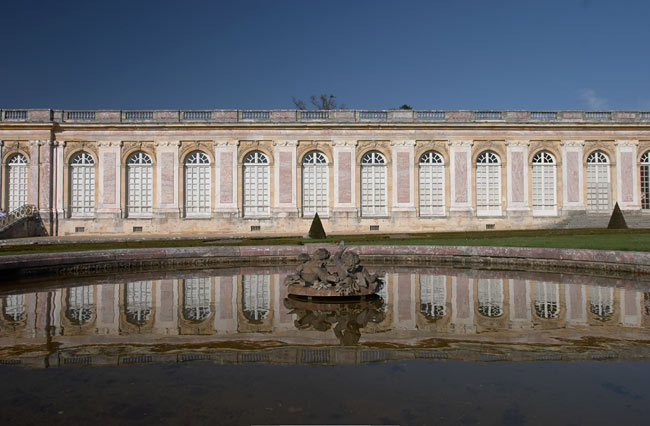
570	54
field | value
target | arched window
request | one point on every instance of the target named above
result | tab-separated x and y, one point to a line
547	300
490	297
645	181
14	307
256	184
433	296
17	181
597	181
139	301
315	184
373	184
82	185
488	184
81	304
544	186
139	184
601	302
431	184
197	184
646	302
197	298
256	299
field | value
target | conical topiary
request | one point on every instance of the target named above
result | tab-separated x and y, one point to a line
316	231
617	221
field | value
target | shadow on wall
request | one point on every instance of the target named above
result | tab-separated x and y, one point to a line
32	226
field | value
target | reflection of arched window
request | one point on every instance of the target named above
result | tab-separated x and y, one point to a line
373	184
488	183
543	181
81	304
597	181
139	184
256	184
646	297
17	181
139	301
431	184
256	302
645	181
197	184
197	298
546	300
601	302
315	184
490	297
82	185
14	307
433	296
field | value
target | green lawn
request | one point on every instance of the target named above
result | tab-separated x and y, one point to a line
603	239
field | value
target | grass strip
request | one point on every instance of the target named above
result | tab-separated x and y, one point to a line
589	238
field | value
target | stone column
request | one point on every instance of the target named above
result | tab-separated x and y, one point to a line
627	175
166	179
2	181
109	177
59	189
517	176
284	173
225	176
32	191
572	175
403	192
45	180
462	302
345	176
460	172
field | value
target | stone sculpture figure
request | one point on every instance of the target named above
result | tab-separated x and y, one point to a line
346	277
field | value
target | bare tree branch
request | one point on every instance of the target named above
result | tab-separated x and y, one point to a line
300	104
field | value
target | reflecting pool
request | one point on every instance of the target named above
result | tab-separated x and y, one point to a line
441	346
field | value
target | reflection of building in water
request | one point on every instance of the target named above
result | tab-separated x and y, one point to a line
601	302
81	305
547	304
197	299
256	303
420	305
490	297
197	306
433	296
14	308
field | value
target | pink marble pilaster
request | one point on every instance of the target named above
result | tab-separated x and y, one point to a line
45	176
285	177
573	176
167	184
109	160
345	178
517	168
627	176
226	175
403	178
460	177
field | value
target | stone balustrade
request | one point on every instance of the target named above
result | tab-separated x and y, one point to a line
332	116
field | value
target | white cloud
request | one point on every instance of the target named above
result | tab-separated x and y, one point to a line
592	100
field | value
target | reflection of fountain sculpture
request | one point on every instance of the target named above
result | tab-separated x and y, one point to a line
346	319
344	277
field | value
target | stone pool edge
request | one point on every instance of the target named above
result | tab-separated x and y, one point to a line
598	262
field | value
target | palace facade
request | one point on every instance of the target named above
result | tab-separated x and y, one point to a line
240	172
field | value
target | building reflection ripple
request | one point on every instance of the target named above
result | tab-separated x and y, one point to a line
243	316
